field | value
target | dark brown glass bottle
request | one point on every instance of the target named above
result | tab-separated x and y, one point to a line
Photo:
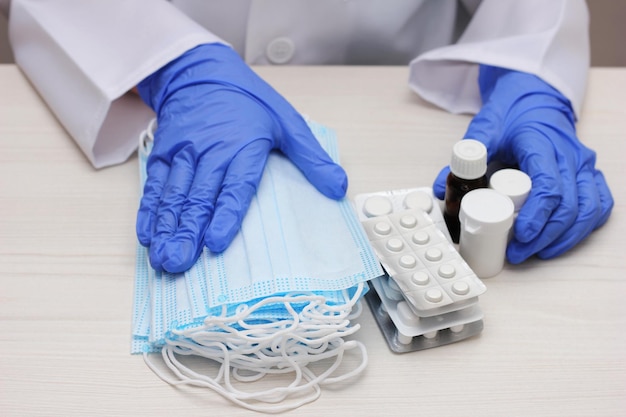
468	168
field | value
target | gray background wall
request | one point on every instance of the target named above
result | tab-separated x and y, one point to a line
608	33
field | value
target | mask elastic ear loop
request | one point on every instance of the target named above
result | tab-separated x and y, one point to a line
217	388
187	376
294	343
146	138
269	396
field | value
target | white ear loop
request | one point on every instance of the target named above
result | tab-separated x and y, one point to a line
146	137
284	346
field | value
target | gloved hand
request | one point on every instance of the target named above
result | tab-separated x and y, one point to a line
524	122
217	123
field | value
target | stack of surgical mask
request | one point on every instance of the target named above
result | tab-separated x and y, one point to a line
280	300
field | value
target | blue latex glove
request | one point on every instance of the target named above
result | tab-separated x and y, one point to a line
524	122
217	123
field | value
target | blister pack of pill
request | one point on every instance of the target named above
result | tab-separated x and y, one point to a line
429	296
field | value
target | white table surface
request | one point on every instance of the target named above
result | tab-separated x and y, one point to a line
554	342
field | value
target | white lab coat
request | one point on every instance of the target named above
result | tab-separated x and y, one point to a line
84	56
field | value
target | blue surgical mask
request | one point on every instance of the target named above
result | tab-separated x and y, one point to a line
267	296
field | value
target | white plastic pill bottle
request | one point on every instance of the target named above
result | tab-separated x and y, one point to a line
486	217
513	183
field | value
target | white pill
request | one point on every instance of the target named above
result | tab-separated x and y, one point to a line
408	221
406	315
419	200
404	339
377	206
433	254
382	228
395	244
420	278
420	238
430	335
447	271
408	261
434	295
457	329
460	288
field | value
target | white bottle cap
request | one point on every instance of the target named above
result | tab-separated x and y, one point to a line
513	183
486	218
469	159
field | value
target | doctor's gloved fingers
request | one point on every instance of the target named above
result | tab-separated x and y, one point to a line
553	184
321	171
181	250
561	220
592	213
606	198
306	153
157	173
240	184
330	179
439	185
173	198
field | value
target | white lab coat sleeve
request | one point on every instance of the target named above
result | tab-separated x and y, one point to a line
83	57
547	38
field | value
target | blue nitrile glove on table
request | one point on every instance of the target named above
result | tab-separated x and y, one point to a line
217	123
525	122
